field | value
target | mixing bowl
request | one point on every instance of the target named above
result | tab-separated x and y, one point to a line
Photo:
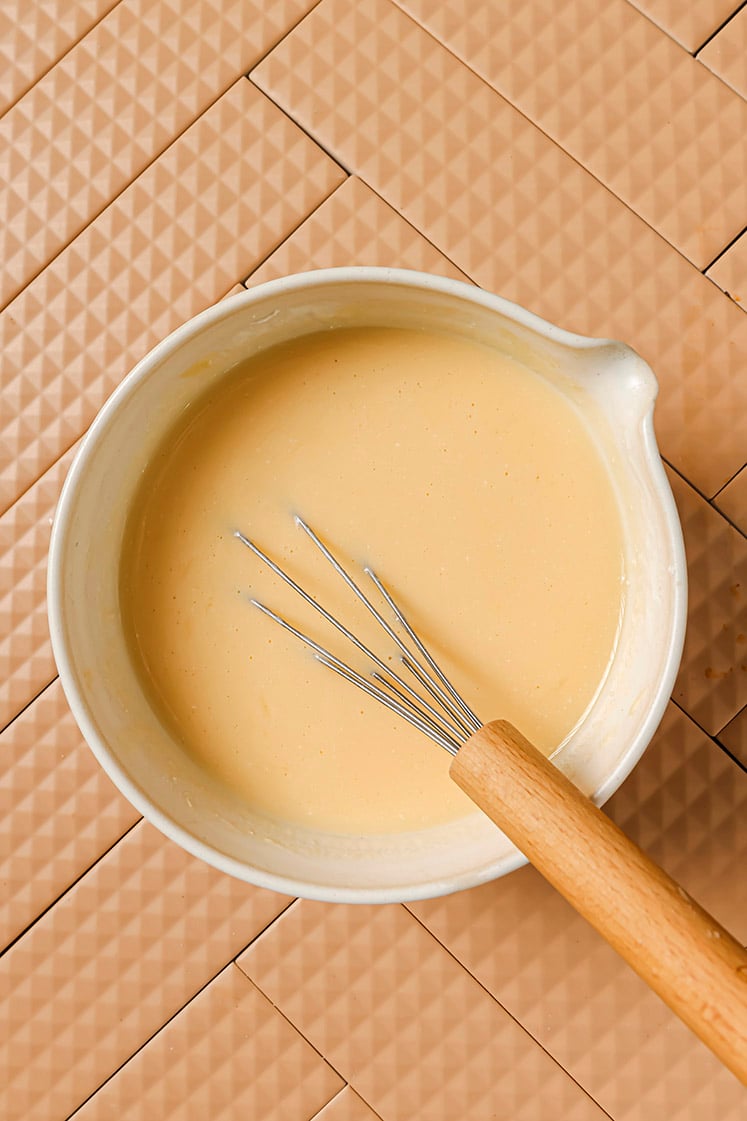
612	389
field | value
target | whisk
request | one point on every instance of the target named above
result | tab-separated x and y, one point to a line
676	947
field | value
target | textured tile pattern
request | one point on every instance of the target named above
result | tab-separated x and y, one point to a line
734	737
190	227
403	1021
355	227
26	662
152	68
730	271
732	500
515	213
618	95
58	811
347	1106
34	35
726	54
228	1054
712	682
690	24
686	804
121	953
118	997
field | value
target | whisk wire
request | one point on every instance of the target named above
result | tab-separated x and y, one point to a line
450	725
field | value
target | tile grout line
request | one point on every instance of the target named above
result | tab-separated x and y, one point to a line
705	497
347	1086
178	1012
57	61
302	128
291	233
720	254
29	927
285	35
719	29
29	703
510	1014
157	156
713	737
557	144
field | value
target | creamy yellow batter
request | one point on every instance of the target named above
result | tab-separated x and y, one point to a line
465	480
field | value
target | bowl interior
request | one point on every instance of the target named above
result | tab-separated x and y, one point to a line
612	389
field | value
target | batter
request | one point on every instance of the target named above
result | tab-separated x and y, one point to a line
465	480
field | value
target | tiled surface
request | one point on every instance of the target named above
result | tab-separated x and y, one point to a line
193	224
152	69
58	811
712	682
34	36
726	53
229	1053
574	172
101	972
404	1021
26	662
618	95
734	736
688	23
513	211
730	271
732	500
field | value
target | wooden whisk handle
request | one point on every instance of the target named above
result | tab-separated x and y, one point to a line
682	953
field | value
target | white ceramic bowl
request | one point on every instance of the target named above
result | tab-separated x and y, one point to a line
613	390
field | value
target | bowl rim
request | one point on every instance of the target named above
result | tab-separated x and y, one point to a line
150	811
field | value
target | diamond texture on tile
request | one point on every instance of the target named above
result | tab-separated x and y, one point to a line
732	500
712	683
686	804
690	24
627	102
58	810
109	107
228	1054
347	1106
34	35
734	737
180	236
515	213
726	54
102	971
402	1021
26	662
354	227
730	271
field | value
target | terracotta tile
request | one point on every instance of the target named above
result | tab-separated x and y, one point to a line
732	500
228	1054
354	227
402	1021
102	971
633	107
347	1106
730	271
689	24
58	811
186	230
33	36
26	662
515	213
734	736
712	683
686	804
726	54
99	117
